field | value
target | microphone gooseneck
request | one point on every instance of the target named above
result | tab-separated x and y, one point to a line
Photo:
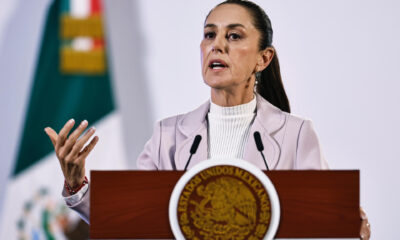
260	146
193	149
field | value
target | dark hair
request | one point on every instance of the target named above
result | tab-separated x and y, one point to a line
269	84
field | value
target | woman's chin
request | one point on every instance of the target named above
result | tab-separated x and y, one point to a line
217	86
218	82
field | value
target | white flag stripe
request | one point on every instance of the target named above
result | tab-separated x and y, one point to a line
79	8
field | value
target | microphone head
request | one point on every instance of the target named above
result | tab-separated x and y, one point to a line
257	139
195	144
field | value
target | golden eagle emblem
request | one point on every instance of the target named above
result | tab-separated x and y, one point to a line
224	202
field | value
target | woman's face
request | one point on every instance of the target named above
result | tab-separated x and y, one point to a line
229	49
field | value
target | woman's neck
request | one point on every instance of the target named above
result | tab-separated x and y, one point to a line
228	99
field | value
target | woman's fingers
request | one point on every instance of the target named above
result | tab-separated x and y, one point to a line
365	231
363	215
71	141
85	152
68	149
80	143
52	135
63	134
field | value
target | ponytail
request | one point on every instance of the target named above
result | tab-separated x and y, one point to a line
269	86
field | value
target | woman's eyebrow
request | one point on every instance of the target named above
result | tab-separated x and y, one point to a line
230	26
235	25
210	25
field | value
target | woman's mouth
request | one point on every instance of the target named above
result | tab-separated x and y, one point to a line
217	64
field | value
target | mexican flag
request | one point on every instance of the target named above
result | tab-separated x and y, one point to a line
71	80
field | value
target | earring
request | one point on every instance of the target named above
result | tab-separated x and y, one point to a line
258	77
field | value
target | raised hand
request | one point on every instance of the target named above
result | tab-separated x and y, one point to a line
70	151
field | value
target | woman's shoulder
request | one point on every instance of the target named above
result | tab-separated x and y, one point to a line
195	116
297	127
297	120
277	119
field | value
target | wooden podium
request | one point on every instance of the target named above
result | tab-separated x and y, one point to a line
314	204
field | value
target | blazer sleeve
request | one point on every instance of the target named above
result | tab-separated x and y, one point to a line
308	153
82	207
150	156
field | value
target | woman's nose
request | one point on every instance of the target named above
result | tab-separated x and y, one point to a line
218	45
216	48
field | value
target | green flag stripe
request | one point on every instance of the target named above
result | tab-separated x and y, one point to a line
65	6
55	97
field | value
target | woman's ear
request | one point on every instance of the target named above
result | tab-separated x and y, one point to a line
265	58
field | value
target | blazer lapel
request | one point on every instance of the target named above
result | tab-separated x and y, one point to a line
268	120
192	124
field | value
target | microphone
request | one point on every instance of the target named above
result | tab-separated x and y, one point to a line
260	146
193	149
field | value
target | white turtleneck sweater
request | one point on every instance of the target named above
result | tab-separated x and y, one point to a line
229	129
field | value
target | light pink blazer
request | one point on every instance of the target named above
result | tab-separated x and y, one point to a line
290	142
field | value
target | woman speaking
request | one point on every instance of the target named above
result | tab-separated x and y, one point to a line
241	67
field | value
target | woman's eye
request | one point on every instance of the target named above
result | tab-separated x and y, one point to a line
233	36
209	35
